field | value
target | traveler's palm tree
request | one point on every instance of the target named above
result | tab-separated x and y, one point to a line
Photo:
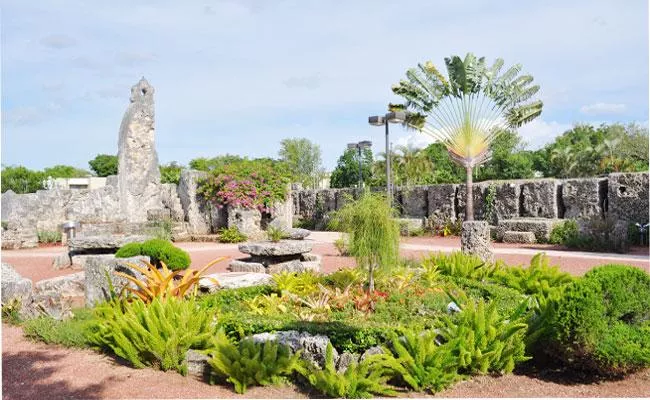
467	109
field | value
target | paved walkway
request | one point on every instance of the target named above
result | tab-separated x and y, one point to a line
435	244
36	264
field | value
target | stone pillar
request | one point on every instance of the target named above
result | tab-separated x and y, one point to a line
475	239
138	177
246	220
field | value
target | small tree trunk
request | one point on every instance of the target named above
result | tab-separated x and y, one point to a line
371	278
469	201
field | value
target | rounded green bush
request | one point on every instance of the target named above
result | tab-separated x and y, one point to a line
602	322
158	250
129	250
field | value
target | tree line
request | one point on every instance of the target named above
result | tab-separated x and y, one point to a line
584	150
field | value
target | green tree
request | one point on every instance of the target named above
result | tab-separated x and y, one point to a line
586	150
170	173
509	159
303	158
346	173
104	165
445	170
469	108
21	180
211	164
65	171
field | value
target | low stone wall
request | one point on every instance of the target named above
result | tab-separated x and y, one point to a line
622	195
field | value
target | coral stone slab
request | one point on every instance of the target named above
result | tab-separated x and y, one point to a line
272	249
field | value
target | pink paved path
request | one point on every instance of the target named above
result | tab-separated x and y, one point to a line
36	264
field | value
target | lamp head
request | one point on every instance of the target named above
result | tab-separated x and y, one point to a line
376	120
396	117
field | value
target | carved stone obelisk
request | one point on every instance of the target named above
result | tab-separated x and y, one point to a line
138	174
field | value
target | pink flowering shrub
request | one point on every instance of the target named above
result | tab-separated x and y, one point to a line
247	184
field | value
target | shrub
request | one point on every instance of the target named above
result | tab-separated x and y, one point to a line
129	250
231	235
483	341
601	321
373	232
564	232
246	183
72	332
159	251
462	265
49	236
156	334
364	379
420	362
250	363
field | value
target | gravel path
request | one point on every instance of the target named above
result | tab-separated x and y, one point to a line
38	371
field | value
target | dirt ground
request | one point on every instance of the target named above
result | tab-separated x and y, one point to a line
36	371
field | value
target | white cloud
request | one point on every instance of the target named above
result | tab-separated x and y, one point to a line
538	132
416	140
602	108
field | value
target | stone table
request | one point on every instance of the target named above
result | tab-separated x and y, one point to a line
272	257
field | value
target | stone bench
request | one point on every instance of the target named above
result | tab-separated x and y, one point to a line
519	237
540	227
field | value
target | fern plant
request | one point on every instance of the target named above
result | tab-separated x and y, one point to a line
483	341
249	363
157	334
365	379
419	362
540	279
458	264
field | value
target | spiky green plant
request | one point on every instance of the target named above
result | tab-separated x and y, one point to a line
539	279
373	232
365	379
249	363
483	341
156	334
468	109
458	264
299	283
420	362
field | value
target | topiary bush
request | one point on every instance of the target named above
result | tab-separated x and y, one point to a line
602	322
157	250
129	250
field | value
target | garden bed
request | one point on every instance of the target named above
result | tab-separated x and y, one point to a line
443	299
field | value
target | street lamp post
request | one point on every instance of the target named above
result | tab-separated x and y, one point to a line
396	117
365	144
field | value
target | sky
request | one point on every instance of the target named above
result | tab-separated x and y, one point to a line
239	76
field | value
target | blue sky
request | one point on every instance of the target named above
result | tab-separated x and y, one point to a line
239	76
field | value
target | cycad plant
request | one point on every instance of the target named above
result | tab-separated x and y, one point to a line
468	109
